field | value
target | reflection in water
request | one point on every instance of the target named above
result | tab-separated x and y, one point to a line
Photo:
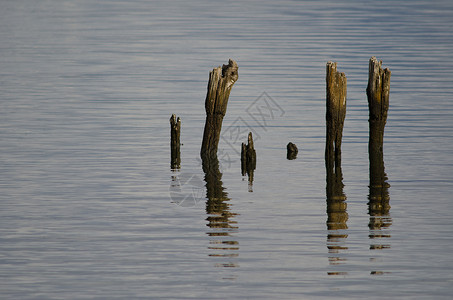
337	215
219	216
378	205
250	174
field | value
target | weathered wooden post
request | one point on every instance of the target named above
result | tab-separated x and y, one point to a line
221	80
175	132
248	156
335	112
291	151
378	92
248	160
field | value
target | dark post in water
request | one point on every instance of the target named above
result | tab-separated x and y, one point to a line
221	80
248	156
248	160
175	132
378	91
335	112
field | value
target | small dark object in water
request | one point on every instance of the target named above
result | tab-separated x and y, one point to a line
291	151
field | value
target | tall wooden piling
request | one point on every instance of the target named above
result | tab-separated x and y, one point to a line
378	91
221	80
335	112
175	132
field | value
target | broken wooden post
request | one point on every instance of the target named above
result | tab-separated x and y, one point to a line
378	91
291	151
175	132
248	160
221	80
248	156
335	112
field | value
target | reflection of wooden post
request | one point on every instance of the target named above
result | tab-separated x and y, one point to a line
336	205
175	132
379	202
337	215
220	218
221	80
216	205
335	112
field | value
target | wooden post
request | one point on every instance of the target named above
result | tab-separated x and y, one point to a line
175	132
221	80
378	91
248	156
335	112
291	151
248	160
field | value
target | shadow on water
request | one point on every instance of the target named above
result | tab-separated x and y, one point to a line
378	204
337	215
220	218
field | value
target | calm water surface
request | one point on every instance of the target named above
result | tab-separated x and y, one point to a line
89	208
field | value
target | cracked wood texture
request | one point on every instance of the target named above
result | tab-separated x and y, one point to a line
378	92
335	112
221	80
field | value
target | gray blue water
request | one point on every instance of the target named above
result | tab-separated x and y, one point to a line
89	208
